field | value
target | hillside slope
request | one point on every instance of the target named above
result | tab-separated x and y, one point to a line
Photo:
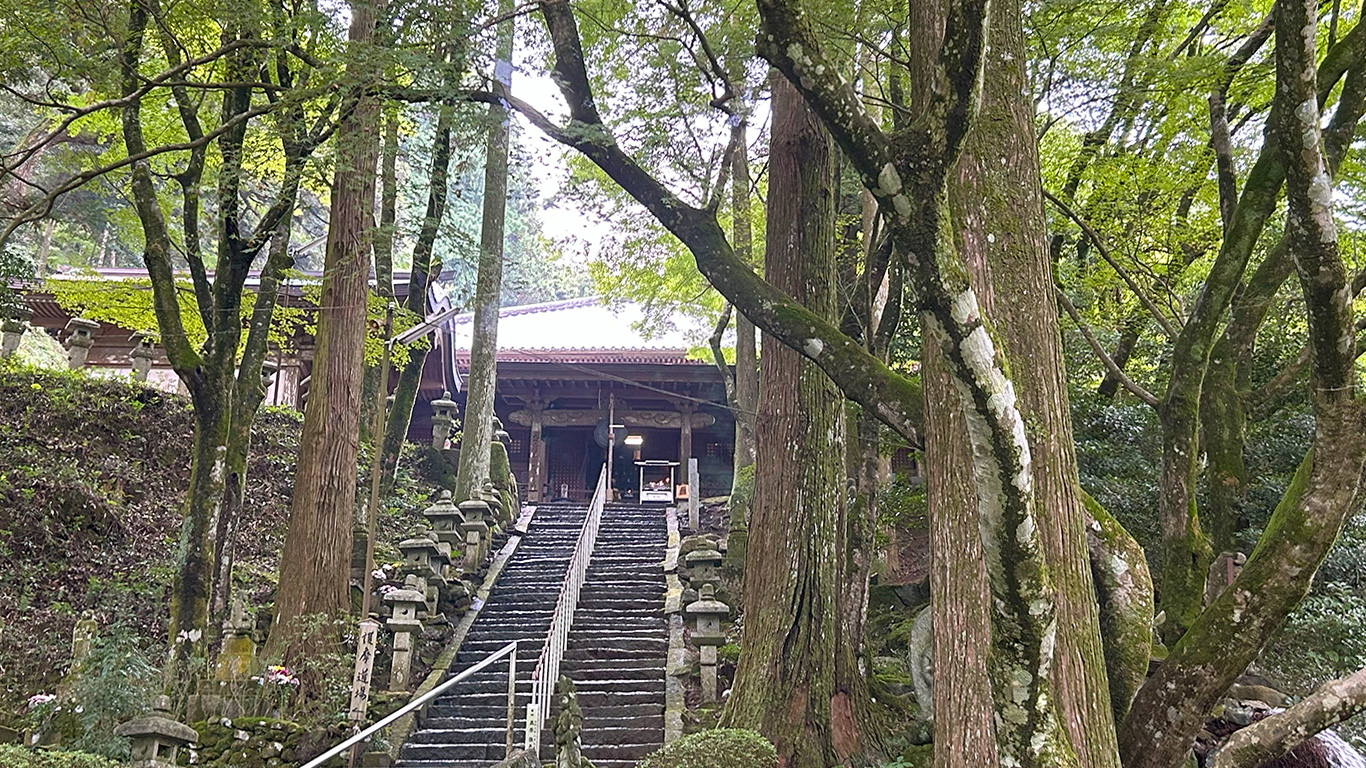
92	475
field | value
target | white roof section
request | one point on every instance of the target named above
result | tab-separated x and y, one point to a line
583	324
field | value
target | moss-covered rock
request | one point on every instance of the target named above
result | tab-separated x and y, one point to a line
719	748
14	756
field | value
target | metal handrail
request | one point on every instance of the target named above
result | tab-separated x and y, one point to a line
548	664
510	648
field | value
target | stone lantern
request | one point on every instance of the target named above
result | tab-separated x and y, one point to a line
82	337
156	739
499	433
142	355
419	554
404	623
13	327
703	565
476	530
269	369
707	614
443	419
494	499
445	520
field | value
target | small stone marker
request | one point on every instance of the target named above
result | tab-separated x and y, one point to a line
157	738
239	648
365	663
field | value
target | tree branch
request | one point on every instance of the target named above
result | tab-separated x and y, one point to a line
1266	740
1110	365
1124	275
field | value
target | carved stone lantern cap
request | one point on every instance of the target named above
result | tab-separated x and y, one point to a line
707	604
144	346
444	401
443	507
405	595
474	509
419	542
78	324
159	726
704	556
16	318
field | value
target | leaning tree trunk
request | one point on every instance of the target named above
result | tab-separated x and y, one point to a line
1170	709
785	685
477	431
315	563
425	269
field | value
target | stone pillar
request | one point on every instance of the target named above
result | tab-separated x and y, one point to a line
707	613
443	419
685	435
236	658
536	463
82	638
78	345
12	330
142	355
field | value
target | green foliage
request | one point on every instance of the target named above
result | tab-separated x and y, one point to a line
903	504
12	756
719	748
115	683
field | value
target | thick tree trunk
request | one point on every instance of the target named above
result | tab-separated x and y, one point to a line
477	430
786	685
999	221
964	727
315	563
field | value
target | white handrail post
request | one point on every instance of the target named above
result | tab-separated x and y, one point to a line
512	697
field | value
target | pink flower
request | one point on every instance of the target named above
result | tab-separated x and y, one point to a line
39	699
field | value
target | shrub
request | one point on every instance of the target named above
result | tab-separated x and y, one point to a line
719	748
12	756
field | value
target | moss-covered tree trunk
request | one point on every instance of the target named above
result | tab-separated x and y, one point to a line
424	270
1171	708
785	685
999	222
477	429
315	563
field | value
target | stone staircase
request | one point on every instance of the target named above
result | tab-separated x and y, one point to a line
619	640
615	655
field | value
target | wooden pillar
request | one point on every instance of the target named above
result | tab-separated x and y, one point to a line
685	433
536	449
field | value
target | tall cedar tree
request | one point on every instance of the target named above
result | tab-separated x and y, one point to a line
315	563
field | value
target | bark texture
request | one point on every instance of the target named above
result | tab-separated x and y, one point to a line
785	686
315	563
1229	634
477	430
1266	740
